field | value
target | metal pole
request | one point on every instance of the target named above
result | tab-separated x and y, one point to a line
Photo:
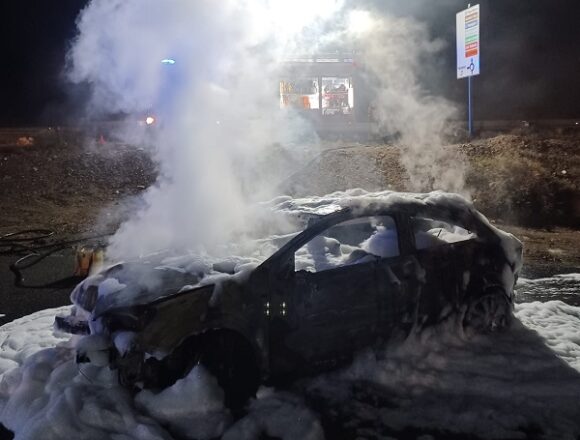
469	111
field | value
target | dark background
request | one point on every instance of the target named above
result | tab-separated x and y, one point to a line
530	58
34	36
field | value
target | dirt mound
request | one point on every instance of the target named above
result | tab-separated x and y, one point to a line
369	167
522	179
526	180
69	185
65	185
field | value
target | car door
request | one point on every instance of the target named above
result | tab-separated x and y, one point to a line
444	250
330	307
397	276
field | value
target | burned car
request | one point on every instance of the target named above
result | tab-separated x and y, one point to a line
365	267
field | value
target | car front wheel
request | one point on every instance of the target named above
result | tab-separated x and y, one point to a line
228	357
489	313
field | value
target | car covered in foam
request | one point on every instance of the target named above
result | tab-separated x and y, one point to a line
363	267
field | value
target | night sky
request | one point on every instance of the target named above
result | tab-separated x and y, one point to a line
34	38
530	58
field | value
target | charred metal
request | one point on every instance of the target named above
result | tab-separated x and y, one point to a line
427	263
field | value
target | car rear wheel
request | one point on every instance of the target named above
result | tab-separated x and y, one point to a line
489	313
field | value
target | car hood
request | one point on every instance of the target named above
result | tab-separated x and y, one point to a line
141	282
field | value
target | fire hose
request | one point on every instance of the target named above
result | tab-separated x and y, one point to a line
34	243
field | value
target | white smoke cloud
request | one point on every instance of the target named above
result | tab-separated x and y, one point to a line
396	52
219	108
215	104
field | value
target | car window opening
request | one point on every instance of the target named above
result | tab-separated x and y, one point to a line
430	233
356	241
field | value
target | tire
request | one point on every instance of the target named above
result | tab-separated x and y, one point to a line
230	358
489	313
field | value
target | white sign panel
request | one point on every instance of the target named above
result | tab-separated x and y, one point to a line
468	48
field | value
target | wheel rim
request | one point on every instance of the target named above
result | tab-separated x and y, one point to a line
490	313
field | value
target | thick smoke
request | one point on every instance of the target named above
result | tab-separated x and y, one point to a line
395	53
219	117
215	107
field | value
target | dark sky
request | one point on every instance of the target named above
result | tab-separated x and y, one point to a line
530	57
33	39
530	60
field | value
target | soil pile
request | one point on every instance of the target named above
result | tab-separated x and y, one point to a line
67	183
64	182
528	180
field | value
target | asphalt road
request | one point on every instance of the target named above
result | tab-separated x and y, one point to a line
16	302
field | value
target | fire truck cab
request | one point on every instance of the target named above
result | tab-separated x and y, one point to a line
330	91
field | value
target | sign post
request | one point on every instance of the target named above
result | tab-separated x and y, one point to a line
468	51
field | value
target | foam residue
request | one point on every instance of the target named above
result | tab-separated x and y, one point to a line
522	382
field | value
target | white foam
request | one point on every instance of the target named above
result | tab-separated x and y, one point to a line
492	387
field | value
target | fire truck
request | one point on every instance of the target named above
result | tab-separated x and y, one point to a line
331	91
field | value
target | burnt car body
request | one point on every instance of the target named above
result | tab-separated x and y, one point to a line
367	271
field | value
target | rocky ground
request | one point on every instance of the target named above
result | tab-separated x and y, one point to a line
72	183
68	182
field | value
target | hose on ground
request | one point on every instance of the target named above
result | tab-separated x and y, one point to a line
30	242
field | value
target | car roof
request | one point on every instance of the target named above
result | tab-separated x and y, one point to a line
439	204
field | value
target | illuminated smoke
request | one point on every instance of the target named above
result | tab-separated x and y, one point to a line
214	104
209	69
394	52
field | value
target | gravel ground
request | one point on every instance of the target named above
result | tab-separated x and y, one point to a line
72	185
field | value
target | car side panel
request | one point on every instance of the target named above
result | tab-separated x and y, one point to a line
184	315
448	271
330	314
174	319
399	286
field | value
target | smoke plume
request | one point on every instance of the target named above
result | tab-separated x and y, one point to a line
219	115
396	52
